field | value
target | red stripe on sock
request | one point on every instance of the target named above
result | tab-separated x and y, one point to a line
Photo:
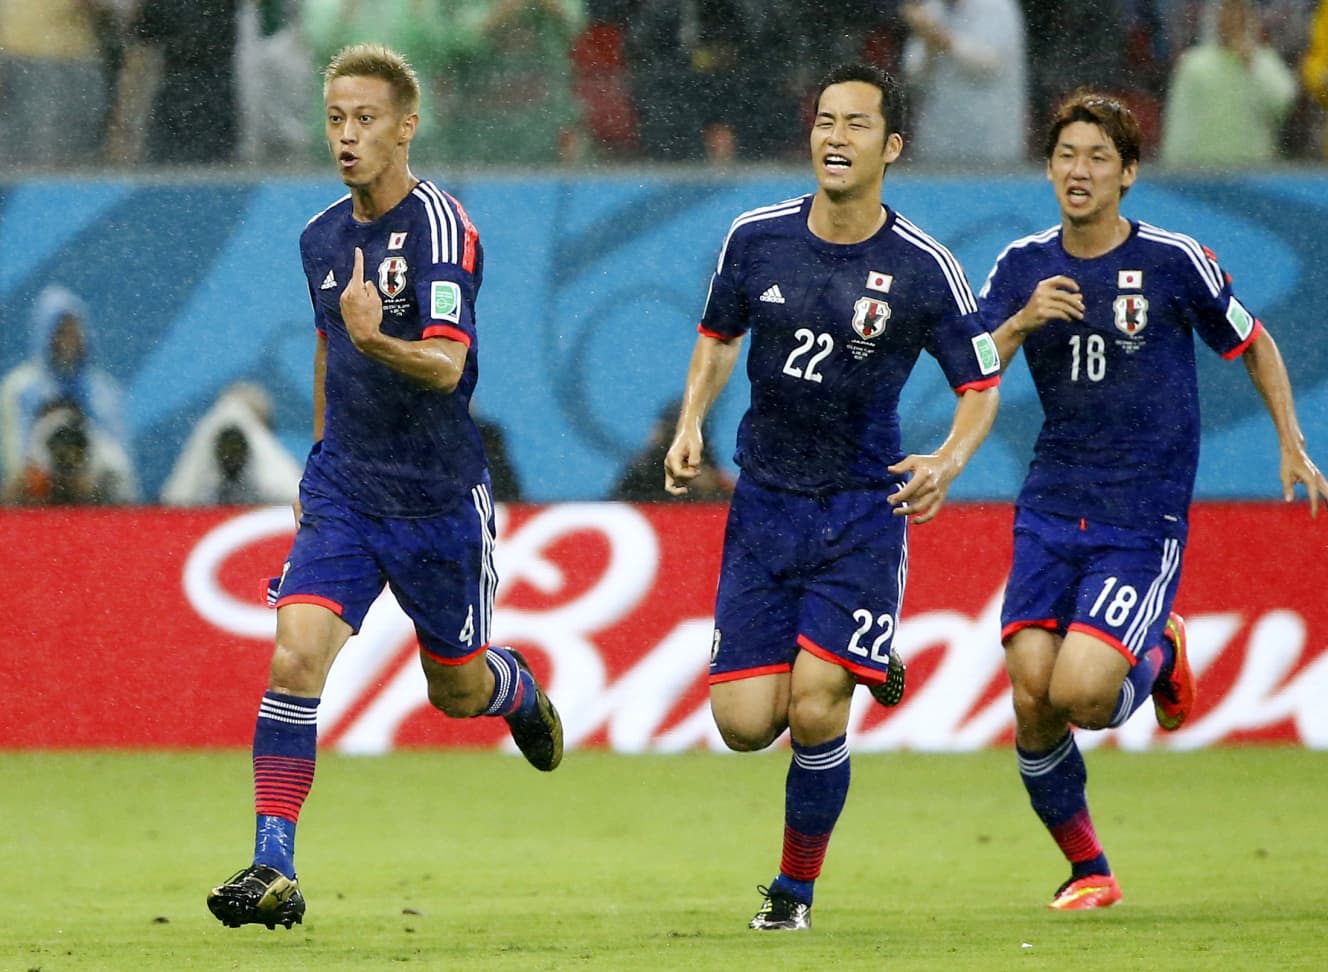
281	785
803	855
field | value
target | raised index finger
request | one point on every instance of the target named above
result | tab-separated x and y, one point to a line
357	271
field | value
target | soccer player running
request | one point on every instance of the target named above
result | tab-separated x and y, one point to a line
1104	308
840	294
395	489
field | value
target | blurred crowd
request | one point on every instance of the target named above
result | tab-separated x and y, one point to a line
90	84
534	82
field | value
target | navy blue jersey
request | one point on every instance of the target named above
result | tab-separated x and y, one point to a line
835	332
391	446
1119	391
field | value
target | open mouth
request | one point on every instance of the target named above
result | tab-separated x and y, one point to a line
346	160
836	163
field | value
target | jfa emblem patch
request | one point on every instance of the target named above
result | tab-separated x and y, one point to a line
869	317
1131	313
392	275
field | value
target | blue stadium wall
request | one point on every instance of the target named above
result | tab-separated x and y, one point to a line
592	290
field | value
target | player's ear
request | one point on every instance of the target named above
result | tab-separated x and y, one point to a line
1128	174
409	124
894	147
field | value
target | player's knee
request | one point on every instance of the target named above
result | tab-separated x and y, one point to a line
295	671
746	735
455	701
1083	705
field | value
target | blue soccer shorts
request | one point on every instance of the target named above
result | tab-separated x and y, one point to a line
440	569
1113	583
823	574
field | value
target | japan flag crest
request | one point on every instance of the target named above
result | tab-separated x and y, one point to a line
392	275
869	317
1131	313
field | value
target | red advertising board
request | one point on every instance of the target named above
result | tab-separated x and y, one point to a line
146	628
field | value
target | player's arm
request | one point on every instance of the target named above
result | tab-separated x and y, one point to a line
712	363
930	475
1054	299
1268	374
435	362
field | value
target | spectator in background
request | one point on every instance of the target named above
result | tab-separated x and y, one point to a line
52	89
642	481
232	457
713	79
1314	65
176	101
512	57
504	483
59	369
274	74
71	464
1228	94
965	62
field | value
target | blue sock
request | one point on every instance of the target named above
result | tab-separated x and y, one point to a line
814	795
1137	688
513	686
285	750
1056	782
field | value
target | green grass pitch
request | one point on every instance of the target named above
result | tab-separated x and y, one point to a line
472	861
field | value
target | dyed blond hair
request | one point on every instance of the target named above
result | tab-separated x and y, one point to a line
377	61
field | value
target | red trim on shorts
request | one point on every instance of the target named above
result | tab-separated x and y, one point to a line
454	661
868	676
1014	627
447	331
741	673
982	385
323	602
704	332
1106	639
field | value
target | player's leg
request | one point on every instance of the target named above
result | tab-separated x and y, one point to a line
1053	772
756	619
853	585
325	591
442	573
815	788
1124	605
1039	601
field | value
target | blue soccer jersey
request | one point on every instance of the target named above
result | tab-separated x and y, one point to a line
1119	391
390	446
835	331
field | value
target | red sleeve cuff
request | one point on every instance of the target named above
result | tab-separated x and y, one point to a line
982	385
1241	348
446	331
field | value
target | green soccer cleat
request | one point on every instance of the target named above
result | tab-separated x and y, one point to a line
257	895
539	735
781	913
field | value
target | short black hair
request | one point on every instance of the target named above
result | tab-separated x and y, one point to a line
892	95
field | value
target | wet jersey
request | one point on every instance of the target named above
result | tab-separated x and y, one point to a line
1120	438
835	331
390	446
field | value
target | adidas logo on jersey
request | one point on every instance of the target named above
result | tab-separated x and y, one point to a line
772	295
328	282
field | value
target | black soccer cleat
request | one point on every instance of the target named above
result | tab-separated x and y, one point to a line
891	692
258	895
781	913
538	734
